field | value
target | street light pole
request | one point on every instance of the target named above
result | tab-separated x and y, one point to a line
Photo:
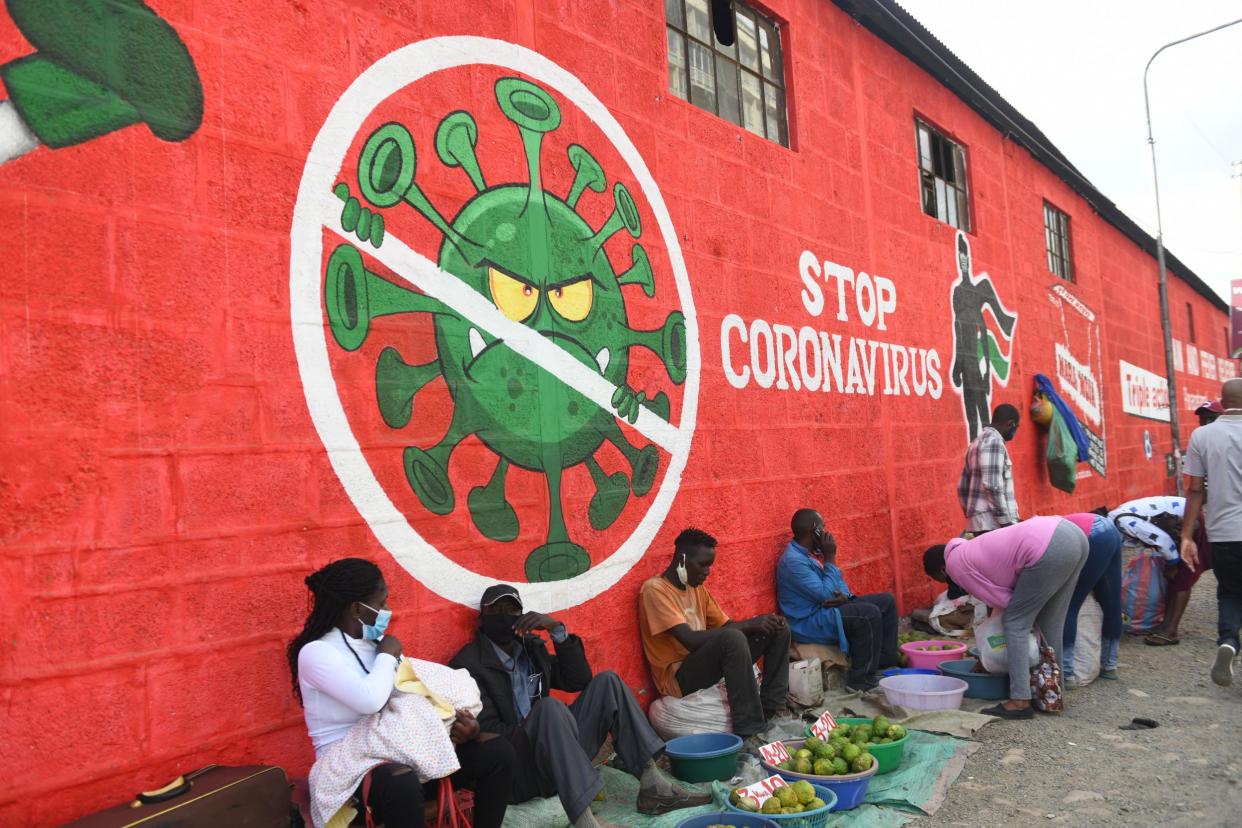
1174	419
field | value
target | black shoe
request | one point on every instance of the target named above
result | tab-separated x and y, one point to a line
1002	712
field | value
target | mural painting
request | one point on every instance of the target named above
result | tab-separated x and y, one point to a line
978	355
533	330
1080	368
98	66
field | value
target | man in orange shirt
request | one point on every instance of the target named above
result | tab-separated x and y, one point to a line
691	644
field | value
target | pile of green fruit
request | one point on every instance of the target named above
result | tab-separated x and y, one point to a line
846	751
915	635
787	799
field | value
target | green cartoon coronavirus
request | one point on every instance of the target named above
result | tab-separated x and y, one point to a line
543	266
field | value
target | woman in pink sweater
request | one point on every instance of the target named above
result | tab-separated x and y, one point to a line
1029	570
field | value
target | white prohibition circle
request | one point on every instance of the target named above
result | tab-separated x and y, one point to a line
427	564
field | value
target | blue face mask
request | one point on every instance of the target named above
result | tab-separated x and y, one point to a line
374	632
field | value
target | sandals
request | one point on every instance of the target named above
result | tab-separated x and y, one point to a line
1002	712
1160	640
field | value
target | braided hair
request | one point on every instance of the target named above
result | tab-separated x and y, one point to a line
334	587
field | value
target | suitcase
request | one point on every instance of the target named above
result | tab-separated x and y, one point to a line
250	796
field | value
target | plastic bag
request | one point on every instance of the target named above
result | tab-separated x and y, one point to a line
1143	588
947	617
990	639
1047	688
1087	643
706	711
806	682
1062	455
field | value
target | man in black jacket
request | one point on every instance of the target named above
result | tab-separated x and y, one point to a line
556	742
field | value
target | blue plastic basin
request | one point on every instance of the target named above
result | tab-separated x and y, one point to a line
978	685
909	671
726	818
704	757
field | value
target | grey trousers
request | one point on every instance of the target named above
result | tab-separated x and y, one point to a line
1041	598
561	740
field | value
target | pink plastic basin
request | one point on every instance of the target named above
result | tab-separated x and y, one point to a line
919	656
924	692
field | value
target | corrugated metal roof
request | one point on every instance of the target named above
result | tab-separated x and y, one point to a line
898	28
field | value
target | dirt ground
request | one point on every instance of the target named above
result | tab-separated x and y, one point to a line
1081	769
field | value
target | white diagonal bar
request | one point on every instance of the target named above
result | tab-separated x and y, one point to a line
427	277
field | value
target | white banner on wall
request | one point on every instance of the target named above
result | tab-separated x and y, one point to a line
1143	393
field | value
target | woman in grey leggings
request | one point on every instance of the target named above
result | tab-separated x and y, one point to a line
1029	570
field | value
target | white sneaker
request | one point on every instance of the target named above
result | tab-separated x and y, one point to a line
1222	667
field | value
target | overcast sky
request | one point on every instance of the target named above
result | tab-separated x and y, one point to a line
1076	70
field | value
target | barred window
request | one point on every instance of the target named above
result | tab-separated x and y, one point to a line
1057	241
942	177
743	83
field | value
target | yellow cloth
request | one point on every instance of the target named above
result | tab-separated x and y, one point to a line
407	681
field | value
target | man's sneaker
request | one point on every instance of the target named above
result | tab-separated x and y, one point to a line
752	743
1222	667
1109	673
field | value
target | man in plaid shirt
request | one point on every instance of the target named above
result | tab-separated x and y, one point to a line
986	488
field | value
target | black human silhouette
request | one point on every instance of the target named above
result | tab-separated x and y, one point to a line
972	351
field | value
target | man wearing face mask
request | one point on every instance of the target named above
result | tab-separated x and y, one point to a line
555	742
812	593
690	643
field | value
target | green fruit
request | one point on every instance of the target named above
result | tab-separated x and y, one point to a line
896	732
784	765
771	806
822	767
802	765
886	741
815	804
749	804
811	742
862	762
842	729
787	796
825	752
840	766
802	753
851	753
880	723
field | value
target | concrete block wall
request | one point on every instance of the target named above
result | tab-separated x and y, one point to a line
163	490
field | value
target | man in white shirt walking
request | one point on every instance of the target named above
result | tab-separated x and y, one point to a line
1215	452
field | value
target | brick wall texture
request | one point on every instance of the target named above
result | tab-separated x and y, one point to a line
164	489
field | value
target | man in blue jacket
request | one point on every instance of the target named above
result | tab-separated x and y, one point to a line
816	601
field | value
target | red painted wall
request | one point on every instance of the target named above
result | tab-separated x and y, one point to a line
163	491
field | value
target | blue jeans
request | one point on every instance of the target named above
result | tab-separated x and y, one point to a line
1227	561
1101	576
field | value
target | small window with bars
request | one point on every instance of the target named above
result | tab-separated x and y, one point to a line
743	83
1057	241
942	177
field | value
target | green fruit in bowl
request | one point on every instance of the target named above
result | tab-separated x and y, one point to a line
822	767
862	762
840	767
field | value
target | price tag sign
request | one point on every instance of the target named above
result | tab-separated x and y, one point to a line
774	753
761	791
823	725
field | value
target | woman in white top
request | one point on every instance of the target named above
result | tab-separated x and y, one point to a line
344	664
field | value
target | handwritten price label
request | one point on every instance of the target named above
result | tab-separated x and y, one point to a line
761	791
774	753
823	725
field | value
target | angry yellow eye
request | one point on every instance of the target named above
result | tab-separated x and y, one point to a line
573	301
515	299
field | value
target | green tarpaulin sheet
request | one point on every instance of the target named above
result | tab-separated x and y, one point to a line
930	764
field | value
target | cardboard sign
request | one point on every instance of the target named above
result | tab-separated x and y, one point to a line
823	725
774	753
761	791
